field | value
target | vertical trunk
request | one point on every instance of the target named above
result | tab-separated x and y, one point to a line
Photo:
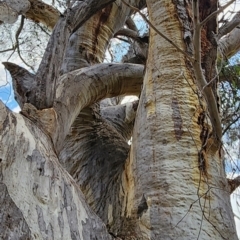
174	177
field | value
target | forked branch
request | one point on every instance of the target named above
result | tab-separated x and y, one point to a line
87	85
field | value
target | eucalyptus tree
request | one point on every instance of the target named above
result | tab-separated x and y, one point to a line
67	170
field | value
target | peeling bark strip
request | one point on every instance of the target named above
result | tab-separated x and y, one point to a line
177	119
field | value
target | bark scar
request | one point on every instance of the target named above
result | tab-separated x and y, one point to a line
177	119
142	207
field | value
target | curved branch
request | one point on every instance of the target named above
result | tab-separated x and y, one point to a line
131	24
87	85
229	26
90	85
128	33
230	44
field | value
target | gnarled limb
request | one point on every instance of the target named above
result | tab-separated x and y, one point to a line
86	86
90	85
234	183
23	82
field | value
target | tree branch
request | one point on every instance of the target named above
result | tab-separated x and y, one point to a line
50	66
234	183
121	117
44	13
230	44
128	33
229	26
23	82
131	24
87	86
90	85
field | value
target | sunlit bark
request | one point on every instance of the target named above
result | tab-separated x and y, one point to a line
174	177
66	169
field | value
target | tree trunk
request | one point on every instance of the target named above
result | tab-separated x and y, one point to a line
67	171
174	178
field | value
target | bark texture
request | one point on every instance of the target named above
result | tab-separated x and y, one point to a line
175	144
66	168
46	197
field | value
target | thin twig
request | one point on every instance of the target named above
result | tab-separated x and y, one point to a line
230	124
17	42
7	50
